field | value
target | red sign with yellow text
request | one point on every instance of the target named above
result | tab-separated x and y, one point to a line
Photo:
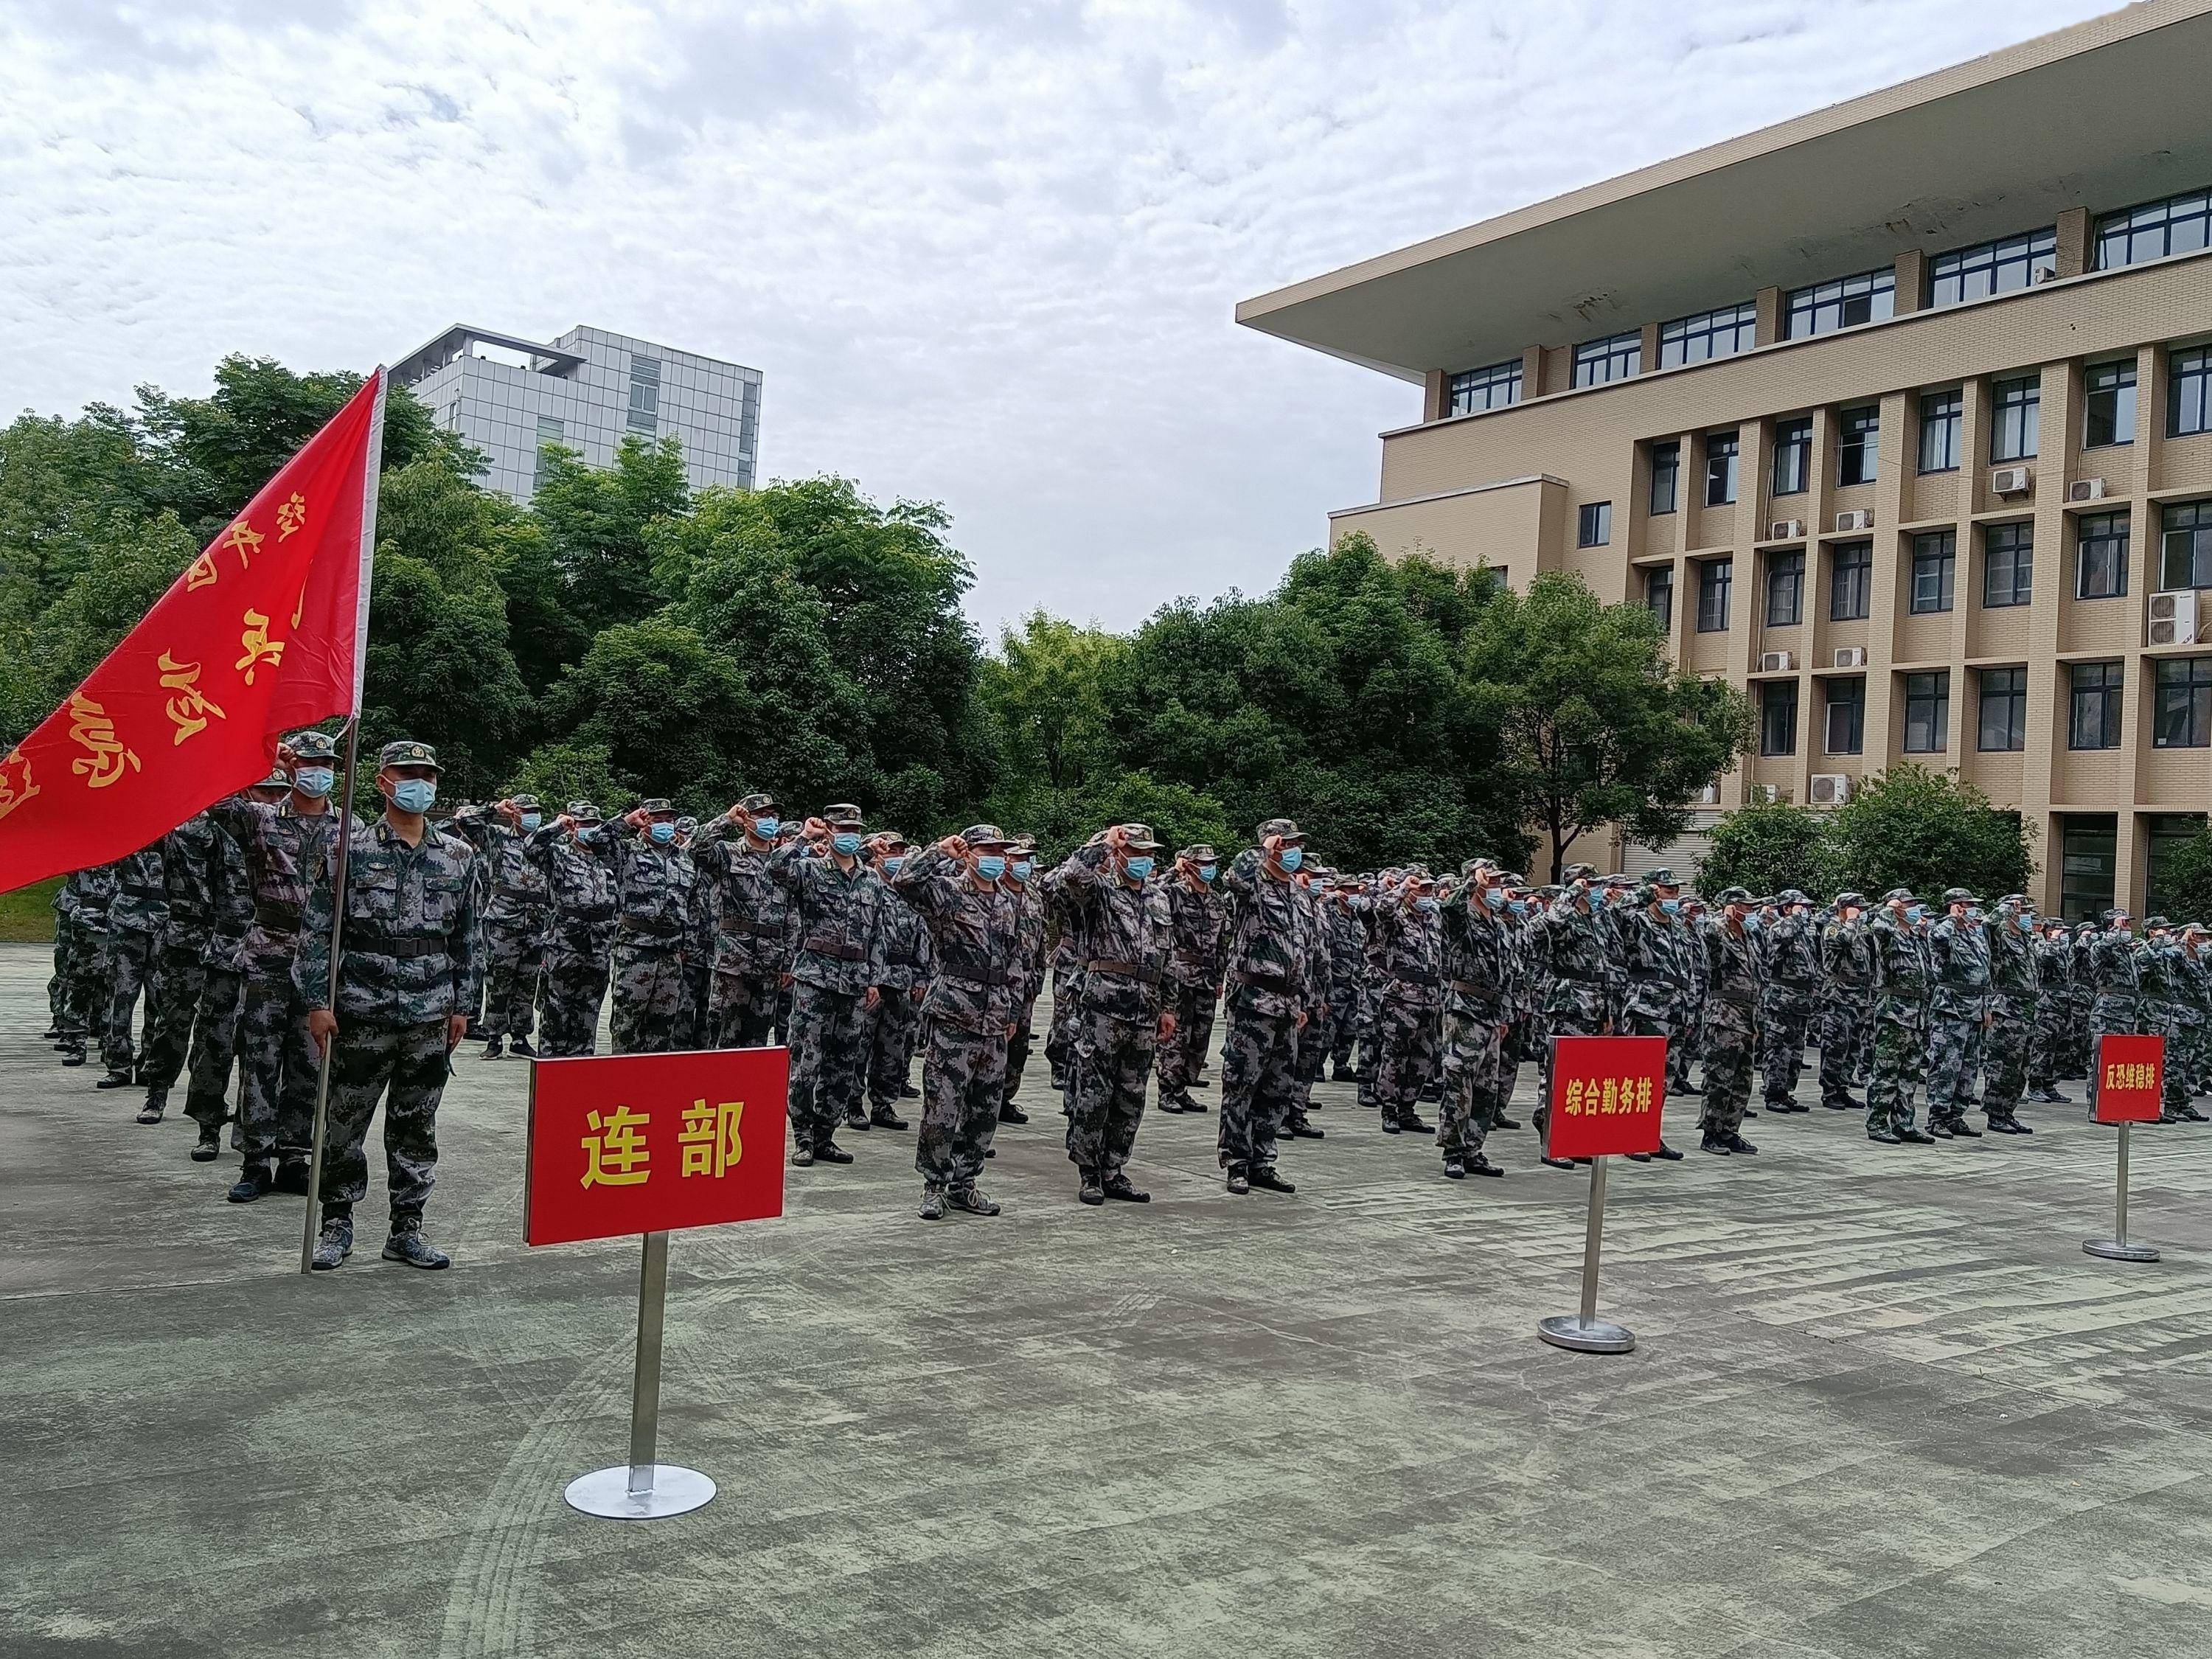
2130	1079
623	1144
1607	1093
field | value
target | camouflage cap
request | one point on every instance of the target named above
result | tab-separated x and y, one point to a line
582	811
2195	927
406	752
1287	828
524	803
1959	896
889	838
314	745
1852	897
686	824
840	813
1662	877
754	804
2150	922
1513	878
1200	852
1579	872
985	834
1733	896
1478	867
276	780
1899	895
2116	914
656	806
2016	901
1620	879
1138	837
1791	895
1023	844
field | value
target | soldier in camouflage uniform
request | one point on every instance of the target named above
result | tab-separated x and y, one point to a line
1194	973
1959	1014
2159	974
2053	1035
1572	947
753	942
517	911
654	880
839	902
2115	981
579	931
2193	1018
135	920
1904	986
1123	926
1477	968
173	998
407	979
1347	972
1735	972
1022	883
1312	884
1791	996
968	1013
1059	1036
695	1017
890	1028
1267	997
286	846
84	990
1657	947
1847	961
217	1024
1409	995
2013	990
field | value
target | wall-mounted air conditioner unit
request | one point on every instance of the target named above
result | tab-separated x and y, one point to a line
1786	530
2012	481
2086	489
1859	518
2173	618
1830	788
1851	656
1710	795
1775	662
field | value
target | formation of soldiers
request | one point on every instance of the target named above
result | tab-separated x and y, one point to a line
860	951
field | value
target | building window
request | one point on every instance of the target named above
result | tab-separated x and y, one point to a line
2181	717
1476	389
1850	301
1927	713
1846	733
1594	524
1858	438
1597	361
1659	595
1793	457
1998	267
2109	390
2004	708
1851	581
2188	399
1720	333
1934	564
1939	431
1715	578
2166	834
2016	407
2008	565
549	431
2088	866
1777	717
1666	477
2092	721
2186	546
1785	589
644	395
1720	468
2100	555
2153	231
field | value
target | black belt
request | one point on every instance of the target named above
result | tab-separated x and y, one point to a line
755	928
1427	981
284	916
840	952
652	927
992	980
385	945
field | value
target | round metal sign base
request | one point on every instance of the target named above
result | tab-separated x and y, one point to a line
606	1493
2113	1249
1568	1331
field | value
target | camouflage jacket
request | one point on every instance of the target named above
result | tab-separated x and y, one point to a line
840	919
142	901
2054	969
1408	953
1321	959
580	886
1961	955
1198	914
2156	977
1736	968
230	887
2012	968
1030	954
1265	969
1661	983
189	852
2112	968
284	854
1904	970
754	920
1347	950
1478	960
653	887
1793	958
1574	950
1122	935
86	896
517	897
411	951
2194	974
1847	955
976	931
908	952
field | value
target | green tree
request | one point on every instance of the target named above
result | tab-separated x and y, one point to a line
1768	847
2186	881
439	670
1595	725
557	773
670	711
1911	827
598	523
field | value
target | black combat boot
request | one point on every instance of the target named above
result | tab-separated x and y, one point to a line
1090	1192
1119	1188
1479	1165
1264	1176
253	1180
1010	1113
121	1079
292	1176
209	1147
157	1101
407	1244
521	1049
1239	1180
492	1048
884	1118
969	1200
831	1153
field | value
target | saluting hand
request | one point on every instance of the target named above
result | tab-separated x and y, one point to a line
953	847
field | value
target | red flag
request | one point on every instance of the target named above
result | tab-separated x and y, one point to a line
264	633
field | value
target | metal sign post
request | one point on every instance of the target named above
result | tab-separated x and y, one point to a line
2117	1248
643	1489
1584	1332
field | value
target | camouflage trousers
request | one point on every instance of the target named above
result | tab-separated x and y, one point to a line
744	1007
1259	1064
570	995
1840	1024
2004	1055
2189	1047
514	957
172	1002
84	991
963	1081
65	937
1954	1060
1901	1056
1585	1017
277	1098
1018	1050
1731	1039
893	1028
1106	1090
1474	1061
130	963
2173	1093
1785	1016
648	986
404	1066
1346	1002
215	1050
2109	1016
1407	1039
695	1017
2049	1040
828	1057
1314	1044
1059	1037
1687	1043
1183	1056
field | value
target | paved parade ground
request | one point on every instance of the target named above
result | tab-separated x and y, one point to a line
1883	1404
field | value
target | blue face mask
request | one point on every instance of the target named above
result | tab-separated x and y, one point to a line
1520	907
1914	911
990	867
1139	867
1206	871
1751	924
1022	868
1291	857
1670	907
845	841
414	794
532	820
2026	924
663	833
313	781
1973	915
766	827
1428	906
1495	897
891	865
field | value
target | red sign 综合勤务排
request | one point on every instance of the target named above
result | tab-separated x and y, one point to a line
2130	1079
625	1143
1607	1093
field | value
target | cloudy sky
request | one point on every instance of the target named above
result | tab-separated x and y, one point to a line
986	250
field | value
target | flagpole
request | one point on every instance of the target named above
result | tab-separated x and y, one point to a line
373	465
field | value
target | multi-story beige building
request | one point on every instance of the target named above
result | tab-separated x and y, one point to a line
1898	414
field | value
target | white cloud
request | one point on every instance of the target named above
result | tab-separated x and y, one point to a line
987	252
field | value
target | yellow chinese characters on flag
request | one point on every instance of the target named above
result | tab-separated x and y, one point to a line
1607	1093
